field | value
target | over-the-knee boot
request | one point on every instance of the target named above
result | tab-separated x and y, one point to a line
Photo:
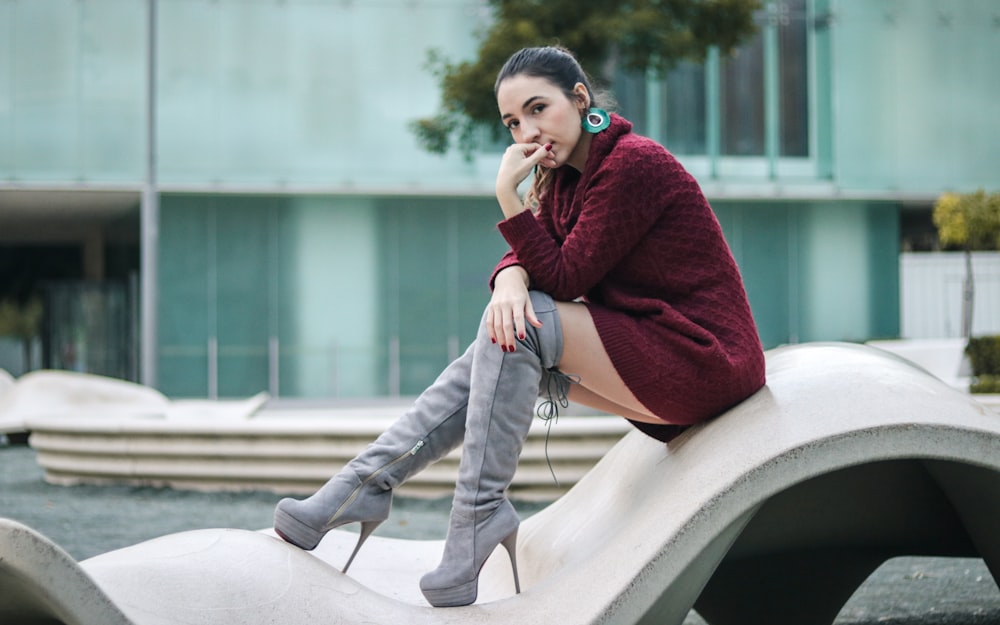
501	402
362	490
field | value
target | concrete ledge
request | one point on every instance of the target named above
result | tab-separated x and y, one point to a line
48	393
944	358
287	453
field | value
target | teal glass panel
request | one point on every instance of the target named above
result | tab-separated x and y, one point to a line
112	99
685	108
823	89
915	107
630	94
817	271
837	283
305	94
327	304
45	75
319	296
438	254
243	258
793	79
183	295
883	254
424	249
868	67
742	100
759	236
480	247
187	105
72	90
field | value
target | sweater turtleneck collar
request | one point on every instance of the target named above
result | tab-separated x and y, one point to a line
603	142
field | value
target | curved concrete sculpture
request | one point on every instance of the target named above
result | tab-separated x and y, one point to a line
6	380
54	393
773	513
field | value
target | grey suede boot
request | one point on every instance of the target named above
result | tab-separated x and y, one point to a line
501	402
362	490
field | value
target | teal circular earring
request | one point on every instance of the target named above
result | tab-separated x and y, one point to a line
596	120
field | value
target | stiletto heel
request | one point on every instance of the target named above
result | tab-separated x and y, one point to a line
367	527
468	546
510	544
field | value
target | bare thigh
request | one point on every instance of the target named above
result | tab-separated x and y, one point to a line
583	355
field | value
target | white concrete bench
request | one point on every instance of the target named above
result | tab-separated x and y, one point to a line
772	513
48	394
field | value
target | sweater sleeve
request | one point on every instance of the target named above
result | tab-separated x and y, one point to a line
621	201
508	260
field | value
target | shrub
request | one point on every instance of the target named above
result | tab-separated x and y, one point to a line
985	384
984	355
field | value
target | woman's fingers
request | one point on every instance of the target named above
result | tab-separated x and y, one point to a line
507	320
503	325
489	324
501	322
518	162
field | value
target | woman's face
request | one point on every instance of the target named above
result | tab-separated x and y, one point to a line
537	111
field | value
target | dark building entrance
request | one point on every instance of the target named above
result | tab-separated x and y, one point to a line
69	266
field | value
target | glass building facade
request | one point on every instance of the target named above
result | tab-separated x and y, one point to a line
242	172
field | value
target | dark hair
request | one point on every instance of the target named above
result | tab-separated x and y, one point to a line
555	64
558	66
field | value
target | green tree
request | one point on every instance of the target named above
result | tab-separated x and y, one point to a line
970	222
605	35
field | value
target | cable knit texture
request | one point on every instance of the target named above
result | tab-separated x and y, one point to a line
635	238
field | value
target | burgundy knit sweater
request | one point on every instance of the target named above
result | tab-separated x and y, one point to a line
635	238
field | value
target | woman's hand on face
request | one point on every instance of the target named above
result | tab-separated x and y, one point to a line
510	308
517	162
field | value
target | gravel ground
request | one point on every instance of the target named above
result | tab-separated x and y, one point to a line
90	520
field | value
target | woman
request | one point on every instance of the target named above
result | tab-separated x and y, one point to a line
619	290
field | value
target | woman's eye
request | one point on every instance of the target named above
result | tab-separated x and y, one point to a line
538	108
512	125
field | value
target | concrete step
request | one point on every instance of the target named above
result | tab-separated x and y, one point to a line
288	453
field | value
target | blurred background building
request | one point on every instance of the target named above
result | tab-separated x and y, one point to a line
220	197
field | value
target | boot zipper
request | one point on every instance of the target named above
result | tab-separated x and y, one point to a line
385	467
411	452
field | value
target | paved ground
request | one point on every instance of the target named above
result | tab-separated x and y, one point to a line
89	520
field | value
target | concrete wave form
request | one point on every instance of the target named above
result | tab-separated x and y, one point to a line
772	513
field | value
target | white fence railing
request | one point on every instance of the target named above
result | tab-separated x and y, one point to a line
931	294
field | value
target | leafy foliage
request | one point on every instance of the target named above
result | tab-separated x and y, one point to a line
986	384
605	36
984	355
969	221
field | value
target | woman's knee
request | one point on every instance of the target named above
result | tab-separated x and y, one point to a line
542	302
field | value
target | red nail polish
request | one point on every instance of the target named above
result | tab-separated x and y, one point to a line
548	147
494	341
521	336
503	348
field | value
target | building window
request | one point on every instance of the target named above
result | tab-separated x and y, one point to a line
684	101
751	103
741	99
793	79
